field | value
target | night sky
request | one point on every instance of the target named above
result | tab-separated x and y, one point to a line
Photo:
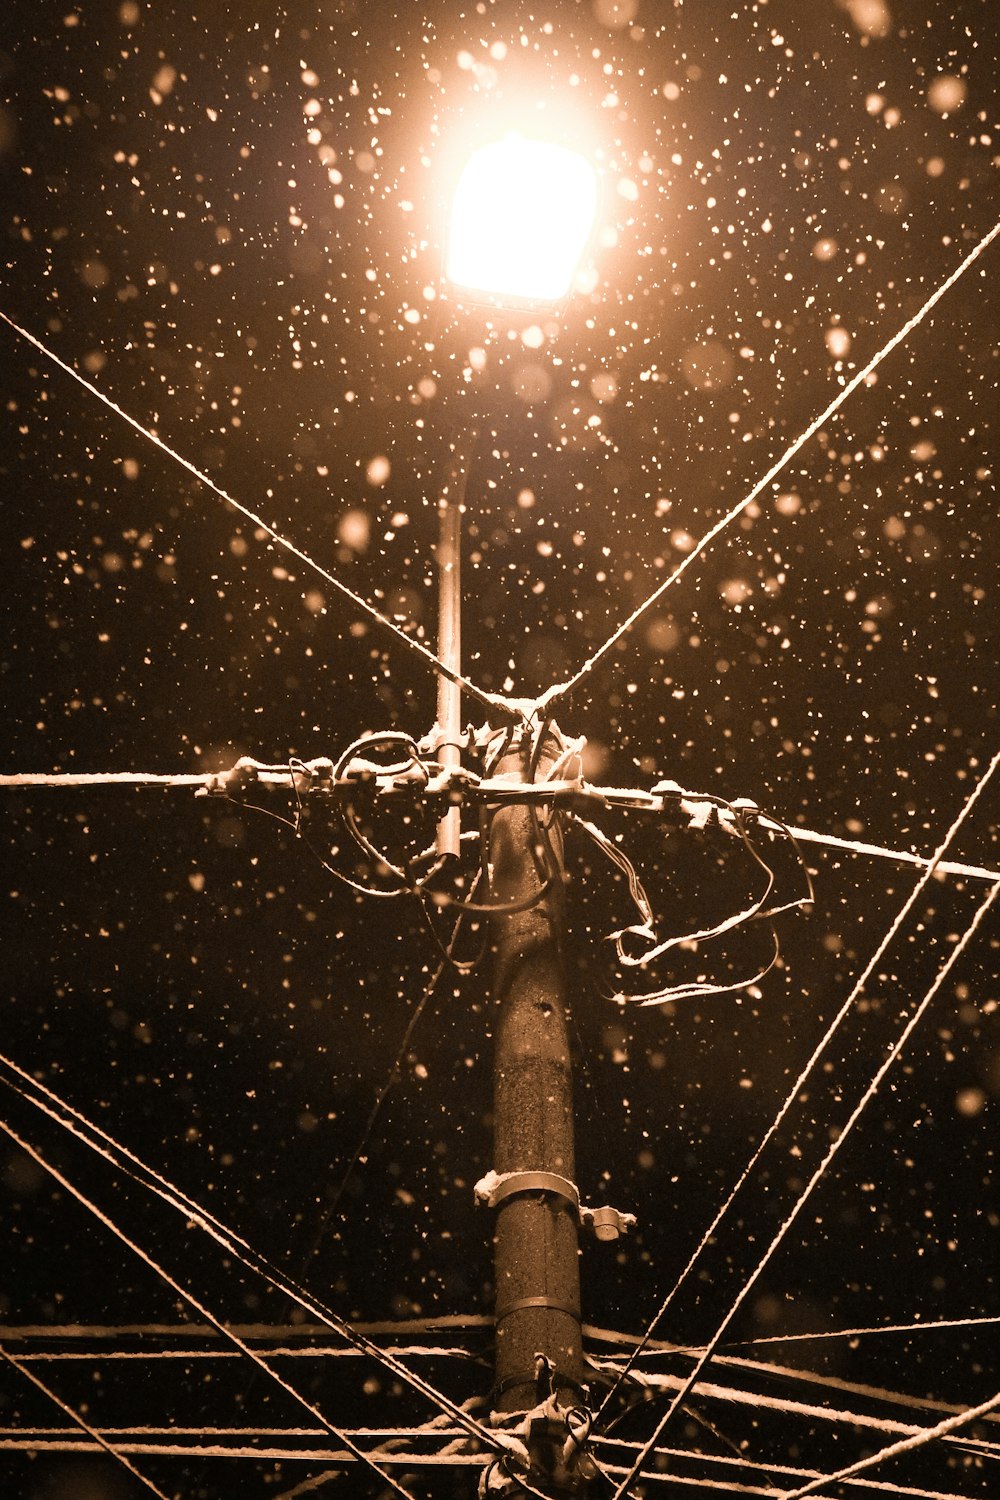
229	219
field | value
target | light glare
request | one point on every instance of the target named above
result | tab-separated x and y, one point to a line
522	215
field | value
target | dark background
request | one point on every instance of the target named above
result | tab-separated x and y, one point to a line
786	183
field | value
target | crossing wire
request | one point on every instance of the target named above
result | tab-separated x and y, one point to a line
411	644
200	1307
813	1062
115	1452
561	690
905	1445
127	1162
801	1201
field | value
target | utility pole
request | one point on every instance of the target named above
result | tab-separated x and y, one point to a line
539	1345
537	1206
532	1188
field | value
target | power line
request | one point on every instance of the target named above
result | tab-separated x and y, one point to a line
651	1382
800	1202
561	690
127	1162
316	776
905	1445
82	1424
199	1306
491	700
814	1058
731	1487
223	1450
858	1333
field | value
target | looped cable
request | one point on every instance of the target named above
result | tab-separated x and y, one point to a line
736	817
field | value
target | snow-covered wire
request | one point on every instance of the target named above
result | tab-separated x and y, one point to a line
81	1422
16	779
828	1413
732	1486
450	1453
799	1204
491	700
859	1333
905	1445
816	1055
561	690
263	1453
103	1144
879	851
199	1306
142	1442
545	792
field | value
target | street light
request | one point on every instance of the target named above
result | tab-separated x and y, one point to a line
522	216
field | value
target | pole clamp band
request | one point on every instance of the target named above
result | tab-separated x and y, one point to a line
495	1187
553	1303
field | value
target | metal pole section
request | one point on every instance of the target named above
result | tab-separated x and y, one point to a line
536	1232
449	644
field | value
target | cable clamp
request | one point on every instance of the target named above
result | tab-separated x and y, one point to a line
492	1189
437	737
320	774
606	1223
227	783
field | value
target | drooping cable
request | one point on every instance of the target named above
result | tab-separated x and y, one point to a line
815	1057
644	930
414	646
833	1149
563	689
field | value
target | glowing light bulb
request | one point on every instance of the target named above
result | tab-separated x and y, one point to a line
522	214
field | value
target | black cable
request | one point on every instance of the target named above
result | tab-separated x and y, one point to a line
375	1111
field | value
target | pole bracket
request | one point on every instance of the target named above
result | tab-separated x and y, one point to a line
605	1223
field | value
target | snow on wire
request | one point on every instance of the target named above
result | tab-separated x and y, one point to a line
53	1106
361	775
